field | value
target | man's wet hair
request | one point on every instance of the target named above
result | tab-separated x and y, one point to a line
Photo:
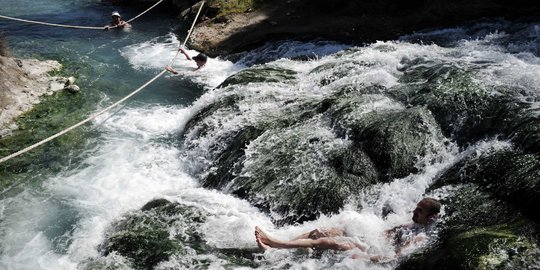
201	57
434	206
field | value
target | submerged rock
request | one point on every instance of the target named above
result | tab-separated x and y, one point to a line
153	234
163	233
394	139
479	232
301	172
260	75
511	176
466	110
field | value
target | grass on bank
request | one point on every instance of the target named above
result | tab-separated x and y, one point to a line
234	6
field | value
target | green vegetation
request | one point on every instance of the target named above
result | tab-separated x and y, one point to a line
53	114
234	6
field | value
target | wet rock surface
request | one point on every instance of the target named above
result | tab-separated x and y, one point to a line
22	82
162	230
479	231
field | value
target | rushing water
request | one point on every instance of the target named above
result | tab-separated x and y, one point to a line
59	219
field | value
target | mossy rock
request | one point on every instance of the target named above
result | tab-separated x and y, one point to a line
334	71
301	172
229	161
196	126
53	114
466	110
225	160
396	140
468	207
511	176
144	237
526	134
104	264
482	248
260	74
479	232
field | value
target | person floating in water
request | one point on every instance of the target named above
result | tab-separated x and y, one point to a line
335	238
200	60
117	22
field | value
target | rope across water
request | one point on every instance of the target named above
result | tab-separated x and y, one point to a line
4	159
75	26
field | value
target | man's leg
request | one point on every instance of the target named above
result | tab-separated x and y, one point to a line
320	233
263	240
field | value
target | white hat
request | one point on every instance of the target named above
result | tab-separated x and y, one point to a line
115	13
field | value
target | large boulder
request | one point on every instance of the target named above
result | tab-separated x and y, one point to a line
394	139
302	171
165	235
153	234
260	74
511	176
466	110
328	148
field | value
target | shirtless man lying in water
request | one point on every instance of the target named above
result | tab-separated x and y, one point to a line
425	214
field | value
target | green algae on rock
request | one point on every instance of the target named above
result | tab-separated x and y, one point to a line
259	75
480	232
160	231
145	237
511	176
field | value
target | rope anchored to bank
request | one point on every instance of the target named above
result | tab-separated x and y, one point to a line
4	159
76	26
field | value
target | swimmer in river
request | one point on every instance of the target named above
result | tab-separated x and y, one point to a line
334	238
200	60
117	22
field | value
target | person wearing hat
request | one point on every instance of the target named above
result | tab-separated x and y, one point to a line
200	60
117	22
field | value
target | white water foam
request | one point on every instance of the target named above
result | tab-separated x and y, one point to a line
125	171
158	52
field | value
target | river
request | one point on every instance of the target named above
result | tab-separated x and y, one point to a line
64	203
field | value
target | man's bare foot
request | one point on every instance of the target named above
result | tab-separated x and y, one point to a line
263	238
262	246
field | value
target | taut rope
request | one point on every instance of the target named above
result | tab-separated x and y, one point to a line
75	26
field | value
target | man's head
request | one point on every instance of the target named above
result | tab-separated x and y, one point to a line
200	59
115	16
426	211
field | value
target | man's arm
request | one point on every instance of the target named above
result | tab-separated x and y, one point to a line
185	53
170	69
124	24
417	238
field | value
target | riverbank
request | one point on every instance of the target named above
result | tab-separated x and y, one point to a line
22	83
343	21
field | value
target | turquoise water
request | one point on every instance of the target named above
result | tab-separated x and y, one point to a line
92	55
